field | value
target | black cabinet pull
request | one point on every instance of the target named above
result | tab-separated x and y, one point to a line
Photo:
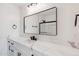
12	43
9	47
19	54
32	55
12	50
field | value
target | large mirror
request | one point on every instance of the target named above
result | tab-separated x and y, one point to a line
31	24
43	23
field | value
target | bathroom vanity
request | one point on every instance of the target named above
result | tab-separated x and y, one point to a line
17	49
20	47
27	47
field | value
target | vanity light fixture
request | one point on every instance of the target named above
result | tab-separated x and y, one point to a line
31	4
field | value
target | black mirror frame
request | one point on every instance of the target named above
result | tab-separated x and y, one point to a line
50	22
40	23
76	19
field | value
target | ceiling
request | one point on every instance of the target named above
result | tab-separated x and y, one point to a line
25	4
21	4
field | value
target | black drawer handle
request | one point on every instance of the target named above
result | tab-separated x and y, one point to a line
12	50
9	47
12	43
18	54
32	55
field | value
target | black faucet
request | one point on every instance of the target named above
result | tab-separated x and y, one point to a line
33	38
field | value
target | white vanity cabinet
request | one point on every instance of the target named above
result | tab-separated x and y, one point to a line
17	49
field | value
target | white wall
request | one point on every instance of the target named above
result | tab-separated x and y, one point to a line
9	15
65	20
74	9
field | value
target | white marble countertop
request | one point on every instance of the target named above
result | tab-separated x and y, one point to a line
24	41
51	49
47	48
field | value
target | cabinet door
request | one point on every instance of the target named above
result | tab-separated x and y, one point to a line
22	49
19	52
31	24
